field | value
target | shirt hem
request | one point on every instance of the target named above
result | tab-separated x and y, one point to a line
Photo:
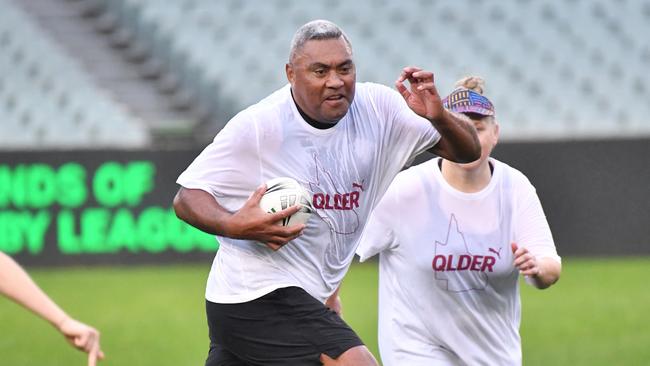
249	296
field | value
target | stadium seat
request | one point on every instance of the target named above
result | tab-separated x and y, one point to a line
47	100
554	69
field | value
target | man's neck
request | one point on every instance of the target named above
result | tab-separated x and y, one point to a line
312	122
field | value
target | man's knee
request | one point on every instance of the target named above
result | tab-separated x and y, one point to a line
355	356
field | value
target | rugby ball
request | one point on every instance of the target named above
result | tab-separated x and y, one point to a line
282	193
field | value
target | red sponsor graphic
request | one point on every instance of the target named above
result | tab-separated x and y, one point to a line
358	185
463	262
497	252
337	201
456	268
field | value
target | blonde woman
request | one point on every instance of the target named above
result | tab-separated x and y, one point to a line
453	239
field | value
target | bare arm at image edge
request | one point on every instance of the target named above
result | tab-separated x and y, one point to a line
16	284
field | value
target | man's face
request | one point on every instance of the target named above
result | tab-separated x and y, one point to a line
322	77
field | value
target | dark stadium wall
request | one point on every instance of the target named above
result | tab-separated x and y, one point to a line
114	207
596	194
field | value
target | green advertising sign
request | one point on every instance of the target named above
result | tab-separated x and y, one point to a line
103	207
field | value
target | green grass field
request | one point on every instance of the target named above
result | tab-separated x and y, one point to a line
598	314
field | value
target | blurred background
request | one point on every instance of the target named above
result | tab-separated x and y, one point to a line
104	102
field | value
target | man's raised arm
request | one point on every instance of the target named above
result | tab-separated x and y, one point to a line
459	142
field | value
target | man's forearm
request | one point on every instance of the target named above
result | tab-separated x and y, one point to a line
201	210
459	141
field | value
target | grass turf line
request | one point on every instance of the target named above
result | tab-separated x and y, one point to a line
154	315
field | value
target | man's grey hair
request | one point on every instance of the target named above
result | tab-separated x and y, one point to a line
316	30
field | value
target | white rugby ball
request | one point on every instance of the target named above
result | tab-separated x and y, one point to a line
282	193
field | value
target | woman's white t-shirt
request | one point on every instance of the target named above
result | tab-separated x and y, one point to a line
448	289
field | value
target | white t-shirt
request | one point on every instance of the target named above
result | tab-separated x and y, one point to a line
346	168
448	290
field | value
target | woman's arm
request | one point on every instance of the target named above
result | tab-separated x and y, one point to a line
539	272
16	284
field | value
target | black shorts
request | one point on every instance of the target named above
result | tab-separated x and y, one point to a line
285	327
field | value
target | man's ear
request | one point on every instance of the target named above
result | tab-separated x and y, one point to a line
289	71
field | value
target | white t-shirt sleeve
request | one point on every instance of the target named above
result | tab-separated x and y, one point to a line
531	227
228	168
378	234
409	134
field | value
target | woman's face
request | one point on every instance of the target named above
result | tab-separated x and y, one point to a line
488	135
